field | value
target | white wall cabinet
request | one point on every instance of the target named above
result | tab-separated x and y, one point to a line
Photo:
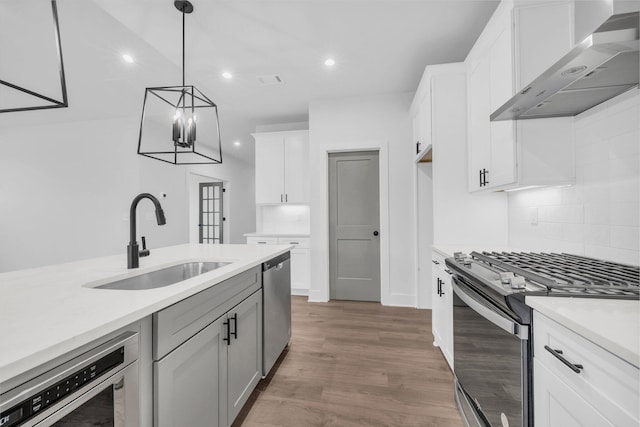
442	310
516	154
604	391
282	167
300	259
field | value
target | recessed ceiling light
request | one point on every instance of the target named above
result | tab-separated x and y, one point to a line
127	58
237	143
227	75
329	62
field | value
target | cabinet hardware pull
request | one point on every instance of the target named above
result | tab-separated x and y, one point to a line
281	198
294	243
235	325
228	337
262	243
435	262
558	355
480	170
286	197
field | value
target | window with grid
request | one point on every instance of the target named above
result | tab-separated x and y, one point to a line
211	218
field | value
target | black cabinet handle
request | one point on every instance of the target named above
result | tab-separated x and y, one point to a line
228	337
485	176
439	287
480	170
286	197
558	355
235	325
281	198
435	262
448	271
375	233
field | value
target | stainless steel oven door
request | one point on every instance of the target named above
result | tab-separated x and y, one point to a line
490	360
112	399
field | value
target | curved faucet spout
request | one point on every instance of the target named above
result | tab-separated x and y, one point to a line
133	254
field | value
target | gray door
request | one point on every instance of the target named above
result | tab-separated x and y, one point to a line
354	221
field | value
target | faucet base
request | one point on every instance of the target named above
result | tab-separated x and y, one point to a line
133	260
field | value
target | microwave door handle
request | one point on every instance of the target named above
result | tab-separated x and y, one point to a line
502	322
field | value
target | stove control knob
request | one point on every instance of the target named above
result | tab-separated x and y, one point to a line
517	283
466	261
458	256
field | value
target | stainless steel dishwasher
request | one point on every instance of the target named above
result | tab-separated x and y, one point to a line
276	294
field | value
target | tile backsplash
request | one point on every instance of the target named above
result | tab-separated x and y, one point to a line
599	216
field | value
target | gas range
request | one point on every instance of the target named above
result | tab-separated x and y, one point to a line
505	278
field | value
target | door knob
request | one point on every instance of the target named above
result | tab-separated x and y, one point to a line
375	233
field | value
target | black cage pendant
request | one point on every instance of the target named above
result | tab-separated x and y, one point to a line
180	124
32	73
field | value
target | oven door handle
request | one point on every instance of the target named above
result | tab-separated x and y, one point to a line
492	316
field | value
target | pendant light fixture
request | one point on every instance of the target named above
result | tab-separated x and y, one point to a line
180	124
27	84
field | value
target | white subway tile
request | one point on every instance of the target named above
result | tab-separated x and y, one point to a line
625	237
626	144
624	168
599	235
550	230
573	233
625	191
627	214
597	213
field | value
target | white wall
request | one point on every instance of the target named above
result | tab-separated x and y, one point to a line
377	122
284	219
599	216
66	189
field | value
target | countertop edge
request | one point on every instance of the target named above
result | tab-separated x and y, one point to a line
548	307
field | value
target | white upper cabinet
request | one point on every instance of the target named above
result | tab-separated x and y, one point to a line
282	165
517	44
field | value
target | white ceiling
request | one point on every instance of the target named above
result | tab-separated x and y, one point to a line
379	46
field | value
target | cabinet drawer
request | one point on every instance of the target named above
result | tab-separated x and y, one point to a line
299	242
179	322
438	261
262	240
607	382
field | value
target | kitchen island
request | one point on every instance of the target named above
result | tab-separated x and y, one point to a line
49	311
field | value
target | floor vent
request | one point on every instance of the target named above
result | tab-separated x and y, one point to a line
272	79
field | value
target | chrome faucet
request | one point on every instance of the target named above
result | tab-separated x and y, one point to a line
133	253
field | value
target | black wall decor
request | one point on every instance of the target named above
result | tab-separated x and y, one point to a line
40	101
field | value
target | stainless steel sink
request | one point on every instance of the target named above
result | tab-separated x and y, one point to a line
164	277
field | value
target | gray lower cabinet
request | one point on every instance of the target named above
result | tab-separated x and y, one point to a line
244	353
189	383
207	353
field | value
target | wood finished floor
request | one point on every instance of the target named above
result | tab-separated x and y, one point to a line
355	364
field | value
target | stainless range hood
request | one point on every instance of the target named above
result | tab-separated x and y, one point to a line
603	66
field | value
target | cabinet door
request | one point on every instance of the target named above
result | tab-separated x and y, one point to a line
244	353
190	382
479	132
300	269
296	172
556	404
437	317
503	133
269	169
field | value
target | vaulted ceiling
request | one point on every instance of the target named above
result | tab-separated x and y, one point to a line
379	46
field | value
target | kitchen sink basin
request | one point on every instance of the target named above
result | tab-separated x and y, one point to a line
163	277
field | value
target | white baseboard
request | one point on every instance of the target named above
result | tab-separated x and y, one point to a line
300	292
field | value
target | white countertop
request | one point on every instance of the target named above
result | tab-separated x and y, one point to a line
256	234
48	311
612	324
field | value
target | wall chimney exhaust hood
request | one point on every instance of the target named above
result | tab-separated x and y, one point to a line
601	67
